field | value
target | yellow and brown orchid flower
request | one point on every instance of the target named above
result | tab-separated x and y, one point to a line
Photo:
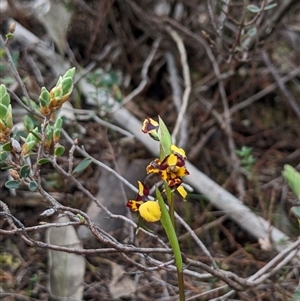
150	126
148	209
173	169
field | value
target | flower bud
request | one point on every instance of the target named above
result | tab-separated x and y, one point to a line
67	85
14	174
15	145
12	27
44	98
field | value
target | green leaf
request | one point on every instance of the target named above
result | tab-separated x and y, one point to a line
142	225
292	177
59	150
295	210
29	146
56	135
12	184
49	132
32	186
2	87
58	83
7	167
70	73
83	164
33	136
58	92
245	151
43	103
253	8
81	218
5	99
270	6
164	138
252	31
296	296
44	97
43	161
58	123
9	119
67	85
3	111
3	156
29	124
170	231
7	147
25	171
9	36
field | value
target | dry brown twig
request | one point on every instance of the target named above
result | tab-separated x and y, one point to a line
188	86
227	116
247	102
177	96
289	97
13	67
144	73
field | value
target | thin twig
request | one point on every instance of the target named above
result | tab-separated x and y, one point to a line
187	82
247	102
112	127
276	259
289	97
174	80
99	163
210	292
177	95
144	76
197	240
13	68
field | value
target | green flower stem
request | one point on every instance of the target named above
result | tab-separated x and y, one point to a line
170	199
172	237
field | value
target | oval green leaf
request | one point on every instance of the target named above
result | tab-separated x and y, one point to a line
43	161
270	6
7	147
59	151
12	184
253	8
83	165
32	186
24	171
3	156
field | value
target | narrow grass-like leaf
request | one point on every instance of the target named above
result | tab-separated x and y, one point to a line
170	231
